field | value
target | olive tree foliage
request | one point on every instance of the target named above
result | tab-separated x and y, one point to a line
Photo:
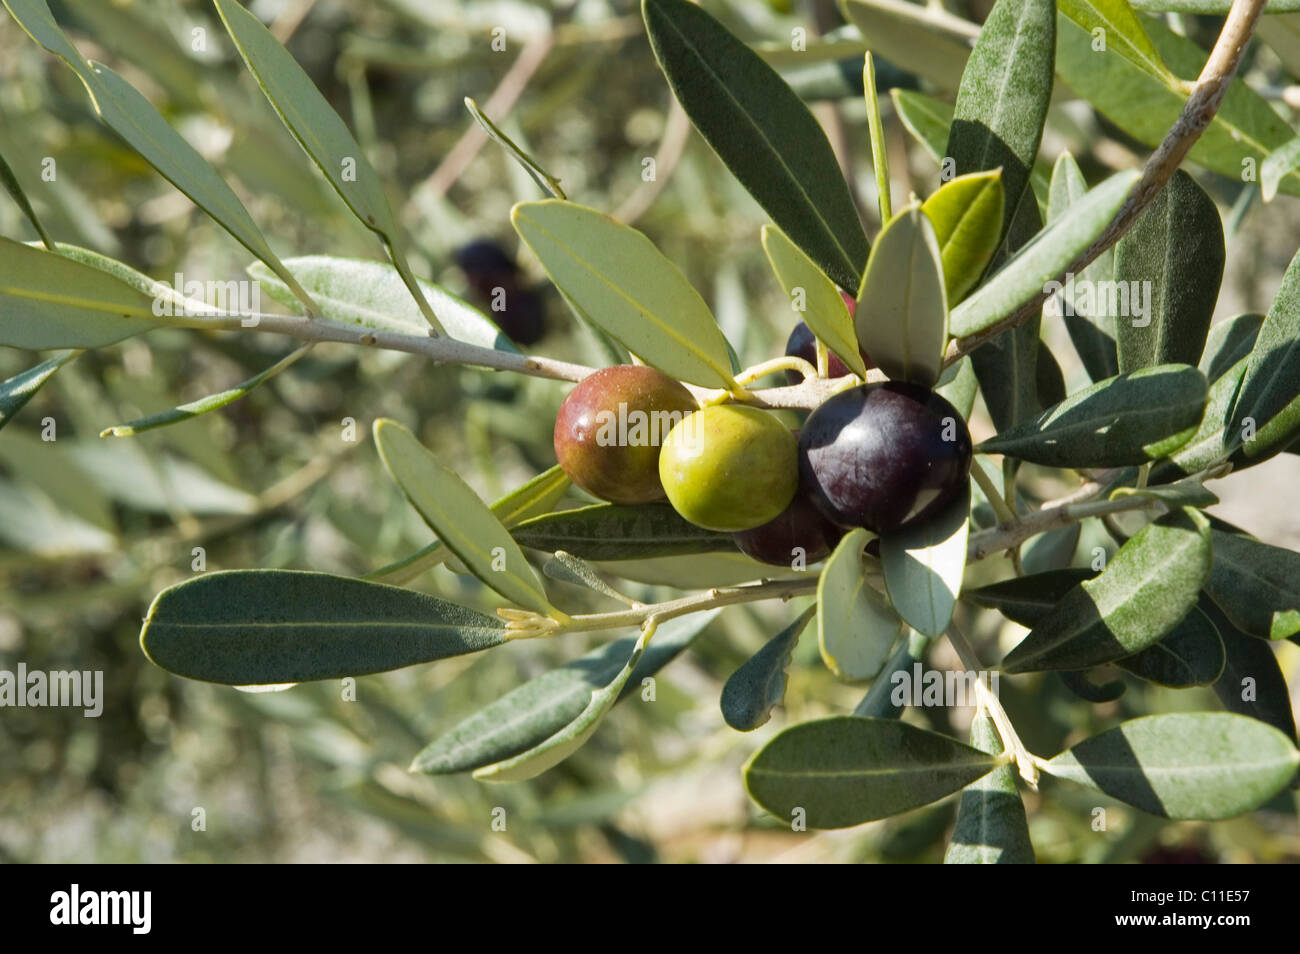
951	295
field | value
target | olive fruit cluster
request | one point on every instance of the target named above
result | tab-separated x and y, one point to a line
879	456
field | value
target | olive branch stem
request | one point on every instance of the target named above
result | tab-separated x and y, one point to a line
1202	104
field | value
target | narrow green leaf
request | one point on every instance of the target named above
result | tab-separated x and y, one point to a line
532	499
1144	592
876	131
1228	342
1209	7
1027	600
15	190
213	402
967	217
539	708
846	770
18	390
991	824
568	568
1122	29
1194	765
1216	437
373	295
628	288
321	133
1252	683
1256	585
902	312
1127	419
924	566
926	41
1173	495
926	118
261	627
1046	257
1005	89
1091	327
545	181
856	628
881	700
758	686
50	301
1191	655
620	532
814	298
1279	164
460	519
1269	398
762	132
1171	263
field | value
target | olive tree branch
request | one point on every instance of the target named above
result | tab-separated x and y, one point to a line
1206	96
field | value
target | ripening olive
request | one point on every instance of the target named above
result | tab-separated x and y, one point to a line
883	456
798	532
729	468
610	428
802	343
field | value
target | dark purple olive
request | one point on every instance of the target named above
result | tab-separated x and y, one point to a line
499	288
884	456
799	532
803	344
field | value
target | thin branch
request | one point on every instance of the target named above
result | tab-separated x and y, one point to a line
1211	86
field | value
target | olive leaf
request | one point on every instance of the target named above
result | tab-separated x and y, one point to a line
855	626
966	214
1146	590
15	190
1216	437
51	301
265	627
322	134
541	707
902	311
1047	256
568	568
1122	29
1091	328
620	532
753	690
1252	683
460	519
924	565
1269	398
880	702
536	497
846	770
927	41
823	308
1171	260
1211	7
1277	165
1256	585
1128	419
1190	655
991	825
762	132
21	388
926	118
1228	342
1192	765
628	288
1028	599
1005	89
374	295
124	110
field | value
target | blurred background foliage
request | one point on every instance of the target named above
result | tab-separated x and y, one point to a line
91	529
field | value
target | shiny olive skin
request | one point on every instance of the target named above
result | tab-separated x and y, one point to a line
611	426
799	530
884	456
802	343
729	468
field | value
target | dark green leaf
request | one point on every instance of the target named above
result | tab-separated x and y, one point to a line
927	41
260	627
1172	261
764	134
542	706
1191	655
1127	419
620	532
1256	585
1005	89
758	686
991	825
1027	600
1270	392
1252	683
1144	592
1196	765
15	190
1228	342
18	390
846	770
879	702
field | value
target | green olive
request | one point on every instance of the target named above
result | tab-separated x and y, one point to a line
729	468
